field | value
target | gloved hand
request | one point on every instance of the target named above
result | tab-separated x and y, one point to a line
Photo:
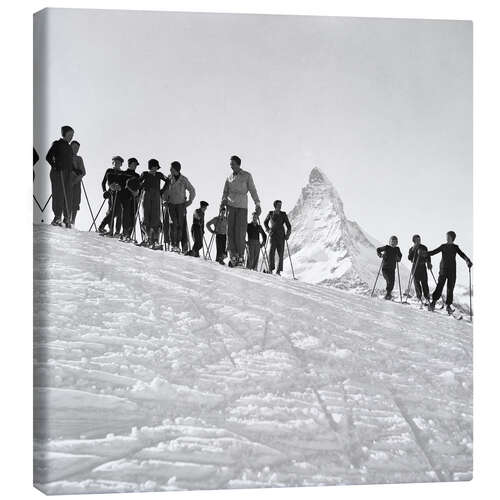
258	210
106	195
429	266
469	263
379	254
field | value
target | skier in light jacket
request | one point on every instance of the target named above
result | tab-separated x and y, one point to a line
175	199
235	198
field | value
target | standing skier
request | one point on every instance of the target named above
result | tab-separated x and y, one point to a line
77	175
234	196
60	158
110	186
420	263
150	183
218	226
198	228
447	270
278	220
390	255
128	197
175	197
254	231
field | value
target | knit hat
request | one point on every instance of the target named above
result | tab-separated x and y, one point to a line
176	166
65	129
133	160
153	163
203	204
117	158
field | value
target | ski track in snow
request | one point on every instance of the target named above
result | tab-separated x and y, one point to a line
155	371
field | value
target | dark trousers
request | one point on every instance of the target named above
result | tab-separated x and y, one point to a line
277	245
113	217
448	277
177	215
197	233
151	207
76	197
421	284
253	254
185	237
389	275
128	207
60	181
220	243
236	230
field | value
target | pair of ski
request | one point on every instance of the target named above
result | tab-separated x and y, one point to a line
453	314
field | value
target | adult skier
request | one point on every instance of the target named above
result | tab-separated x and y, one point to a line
390	255
198	228
254	232
77	174
420	263
447	270
128	197
60	159
218	227
235	198
111	184
275	224
176	201
150	183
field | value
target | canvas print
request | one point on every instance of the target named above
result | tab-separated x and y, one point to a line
253	255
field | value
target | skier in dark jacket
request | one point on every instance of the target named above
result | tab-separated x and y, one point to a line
420	264
390	255
198	228
254	232
77	176
128	197
447	270
278	220
151	204
111	184
218	226
60	158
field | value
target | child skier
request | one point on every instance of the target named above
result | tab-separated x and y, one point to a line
420	264
254	232
151	204
110	187
128	197
76	181
390	255
447	270
218	226
198	228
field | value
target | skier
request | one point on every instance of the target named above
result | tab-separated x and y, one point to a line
390	255
420	264
254	231
234	196
110	186
77	175
150	183
198	229
447	270
128	197
278	220
218	226
176	202
60	158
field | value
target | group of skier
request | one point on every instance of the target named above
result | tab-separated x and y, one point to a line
164	201
420	257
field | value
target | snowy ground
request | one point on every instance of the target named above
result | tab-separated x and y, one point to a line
161	372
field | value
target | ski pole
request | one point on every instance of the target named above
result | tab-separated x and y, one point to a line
470	294
399	282
290	257
134	231
99	211
412	275
210	246
206	255
434	278
376	279
112	223
68	215
90	208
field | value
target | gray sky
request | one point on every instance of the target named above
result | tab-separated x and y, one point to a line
383	107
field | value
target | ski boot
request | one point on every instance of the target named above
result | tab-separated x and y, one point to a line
450	310
432	306
388	296
56	222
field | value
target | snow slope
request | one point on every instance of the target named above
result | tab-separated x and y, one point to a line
155	371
